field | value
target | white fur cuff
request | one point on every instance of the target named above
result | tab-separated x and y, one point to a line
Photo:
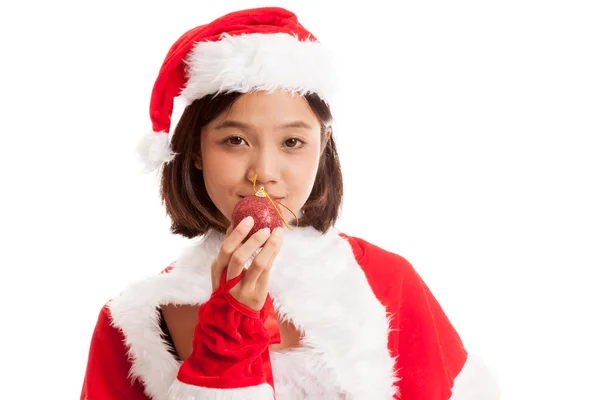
183	391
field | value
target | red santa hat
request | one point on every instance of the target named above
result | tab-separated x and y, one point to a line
255	49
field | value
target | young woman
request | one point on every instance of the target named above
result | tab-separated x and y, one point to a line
299	312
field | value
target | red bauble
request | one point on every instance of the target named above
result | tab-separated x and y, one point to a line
259	208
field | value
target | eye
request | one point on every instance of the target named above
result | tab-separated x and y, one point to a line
293	143
234	140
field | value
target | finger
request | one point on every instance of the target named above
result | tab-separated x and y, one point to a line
245	251
258	273
232	242
262	283
228	247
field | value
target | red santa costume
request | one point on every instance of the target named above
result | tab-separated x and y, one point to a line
371	329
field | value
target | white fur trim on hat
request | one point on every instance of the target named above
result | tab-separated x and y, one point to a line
258	62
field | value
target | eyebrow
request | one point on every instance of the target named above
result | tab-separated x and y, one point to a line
241	125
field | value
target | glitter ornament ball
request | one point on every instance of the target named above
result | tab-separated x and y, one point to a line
259	208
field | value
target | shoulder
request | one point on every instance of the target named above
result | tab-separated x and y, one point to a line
106	333
129	334
386	271
108	366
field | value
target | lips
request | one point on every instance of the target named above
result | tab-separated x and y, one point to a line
270	195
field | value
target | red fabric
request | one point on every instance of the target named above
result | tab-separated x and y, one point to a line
231	341
171	78
230	348
269	318
106	375
430	353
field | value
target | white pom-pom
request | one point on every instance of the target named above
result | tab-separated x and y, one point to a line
154	149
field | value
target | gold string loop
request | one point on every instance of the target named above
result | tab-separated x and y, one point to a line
263	193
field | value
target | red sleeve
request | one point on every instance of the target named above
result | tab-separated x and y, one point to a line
230	352
106	375
429	352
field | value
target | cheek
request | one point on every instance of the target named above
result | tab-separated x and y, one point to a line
303	174
216	177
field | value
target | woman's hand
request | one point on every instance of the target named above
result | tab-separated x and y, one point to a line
252	289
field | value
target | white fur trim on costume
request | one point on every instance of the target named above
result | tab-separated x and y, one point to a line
258	62
154	149
182	391
316	283
475	382
135	312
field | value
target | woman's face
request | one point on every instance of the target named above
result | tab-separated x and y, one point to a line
273	136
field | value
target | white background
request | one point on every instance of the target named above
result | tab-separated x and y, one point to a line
469	136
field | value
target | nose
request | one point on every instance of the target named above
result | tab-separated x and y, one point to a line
264	167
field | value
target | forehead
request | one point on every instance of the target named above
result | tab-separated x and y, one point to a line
262	107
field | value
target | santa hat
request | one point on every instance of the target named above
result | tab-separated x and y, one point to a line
255	49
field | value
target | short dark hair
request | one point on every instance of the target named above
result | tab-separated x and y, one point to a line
182	188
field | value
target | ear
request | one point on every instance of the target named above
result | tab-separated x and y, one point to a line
197	161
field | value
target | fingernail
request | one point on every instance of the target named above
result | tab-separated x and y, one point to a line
264	232
277	232
248	221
